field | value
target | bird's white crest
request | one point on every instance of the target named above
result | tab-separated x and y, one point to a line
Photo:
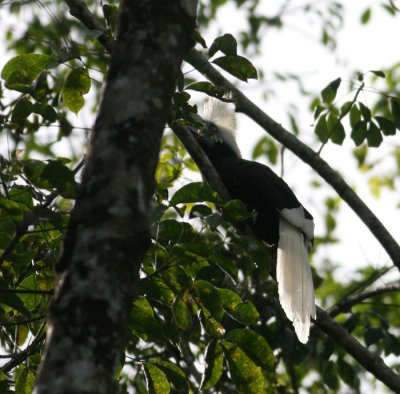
217	112
295	283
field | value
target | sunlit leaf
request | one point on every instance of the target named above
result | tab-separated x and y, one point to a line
247	376
174	375
156	380
181	310
214	359
76	85
27	66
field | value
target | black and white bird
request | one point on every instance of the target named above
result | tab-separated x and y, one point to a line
281	220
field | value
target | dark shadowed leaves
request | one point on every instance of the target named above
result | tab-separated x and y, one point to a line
329	92
359	133
386	125
207	88
226	44
195	192
374	136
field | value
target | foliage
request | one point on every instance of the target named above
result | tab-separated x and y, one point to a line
206	316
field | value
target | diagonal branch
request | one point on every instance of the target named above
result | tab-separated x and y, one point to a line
346	304
244	105
370	362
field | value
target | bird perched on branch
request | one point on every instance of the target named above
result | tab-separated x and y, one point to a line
281	220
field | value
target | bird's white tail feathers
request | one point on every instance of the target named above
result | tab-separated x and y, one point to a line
295	284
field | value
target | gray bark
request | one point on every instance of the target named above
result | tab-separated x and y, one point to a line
109	232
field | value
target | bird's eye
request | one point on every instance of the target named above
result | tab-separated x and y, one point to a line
213	128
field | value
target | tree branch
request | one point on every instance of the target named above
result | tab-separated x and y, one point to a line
80	11
207	169
346	304
244	105
371	363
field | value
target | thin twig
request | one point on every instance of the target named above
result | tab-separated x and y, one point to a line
346	304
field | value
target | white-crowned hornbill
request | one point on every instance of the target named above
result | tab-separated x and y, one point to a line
281	220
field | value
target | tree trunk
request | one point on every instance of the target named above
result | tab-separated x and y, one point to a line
109	232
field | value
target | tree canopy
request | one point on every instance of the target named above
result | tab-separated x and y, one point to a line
159	287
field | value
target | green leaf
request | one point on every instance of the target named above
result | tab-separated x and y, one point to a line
328	93
338	134
359	133
226	44
13	300
199	39
157	290
46	111
321	128
243	312
395	106
348	374
21	110
378	73
195	192
373	335
238	66
207	88
30	300
210	325
60	177
110	14
386	125
246	375
355	116
200	211
25	68
156	380
366	16
374	136
143	320
24	380
365	112
210	297
254	345
214	358
266	146
174	374
75	86
172	232
181	310
235	211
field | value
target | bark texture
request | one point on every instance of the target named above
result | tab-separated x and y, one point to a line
109	233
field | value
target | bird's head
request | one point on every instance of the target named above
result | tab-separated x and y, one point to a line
217	135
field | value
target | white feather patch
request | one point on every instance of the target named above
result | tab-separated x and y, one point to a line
218	113
295	284
296	216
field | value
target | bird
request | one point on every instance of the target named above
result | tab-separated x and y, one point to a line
280	220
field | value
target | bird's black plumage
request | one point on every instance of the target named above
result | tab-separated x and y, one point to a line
281	219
